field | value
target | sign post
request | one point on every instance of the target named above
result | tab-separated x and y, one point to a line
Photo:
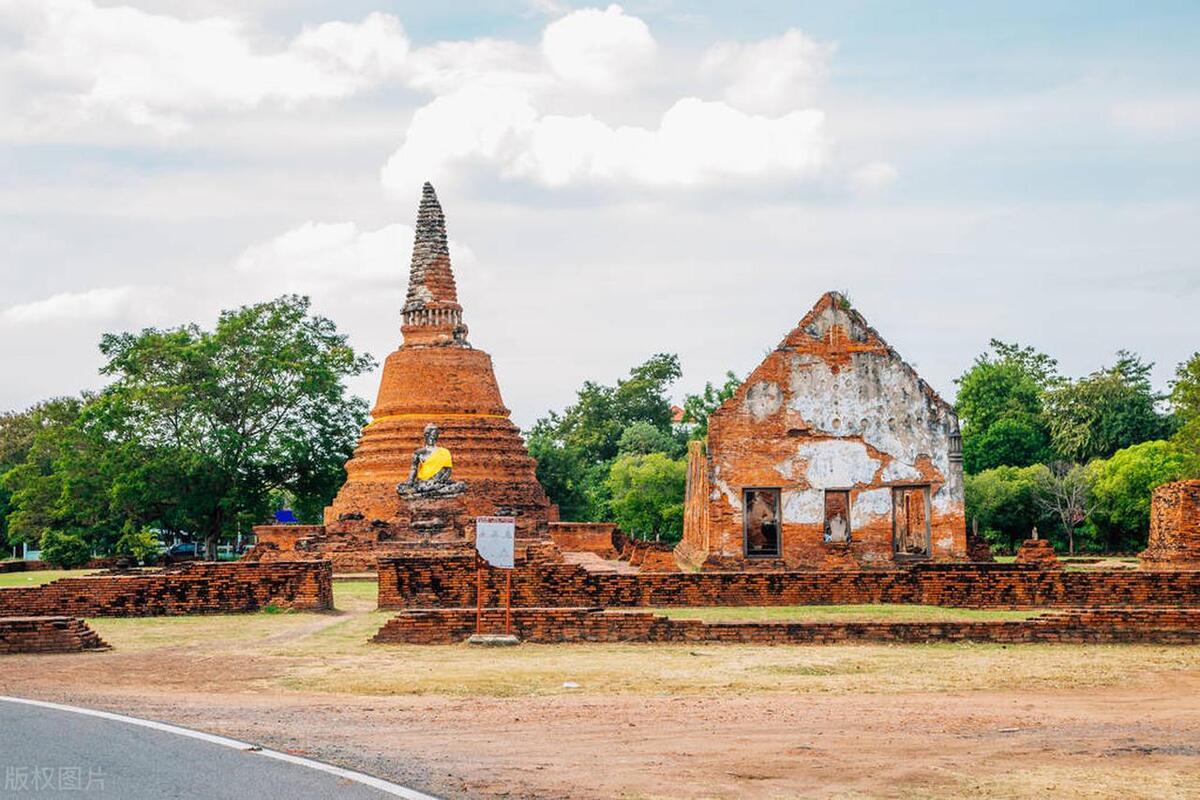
494	540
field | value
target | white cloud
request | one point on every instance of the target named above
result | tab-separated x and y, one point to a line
445	67
84	61
873	177
109	303
696	142
599	50
318	257
769	75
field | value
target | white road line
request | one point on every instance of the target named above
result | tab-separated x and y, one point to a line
358	777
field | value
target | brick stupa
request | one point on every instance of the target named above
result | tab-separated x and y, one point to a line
434	378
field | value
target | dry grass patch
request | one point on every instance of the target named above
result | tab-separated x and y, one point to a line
1168	779
343	663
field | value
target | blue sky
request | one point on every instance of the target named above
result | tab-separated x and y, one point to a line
618	181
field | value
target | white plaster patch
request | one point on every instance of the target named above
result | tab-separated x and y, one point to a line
734	498
837	463
945	543
945	500
875	397
789	468
763	399
805	506
870	505
899	471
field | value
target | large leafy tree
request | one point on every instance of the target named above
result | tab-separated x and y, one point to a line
1110	409
254	406
575	448
41	490
1000	405
1185	402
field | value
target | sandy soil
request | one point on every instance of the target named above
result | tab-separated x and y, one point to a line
1136	738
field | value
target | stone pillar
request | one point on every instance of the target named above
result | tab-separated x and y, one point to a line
1174	527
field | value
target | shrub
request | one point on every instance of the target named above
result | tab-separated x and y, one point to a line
65	550
142	545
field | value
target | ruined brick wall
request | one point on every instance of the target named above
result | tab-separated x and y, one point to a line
196	588
695	545
564	625
450	583
586	537
832	408
47	635
1174	541
22	566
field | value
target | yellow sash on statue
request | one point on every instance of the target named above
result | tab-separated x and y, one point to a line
438	460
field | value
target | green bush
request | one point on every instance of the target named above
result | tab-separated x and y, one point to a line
1121	489
1004	502
647	495
142	545
65	550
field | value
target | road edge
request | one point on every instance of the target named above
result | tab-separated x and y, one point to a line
393	789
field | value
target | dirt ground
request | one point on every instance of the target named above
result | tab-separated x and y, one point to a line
657	722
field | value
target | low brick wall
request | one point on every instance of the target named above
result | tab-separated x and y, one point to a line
564	625
47	635
600	538
195	588
22	566
449	582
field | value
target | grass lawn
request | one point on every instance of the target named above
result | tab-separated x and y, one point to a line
854	613
40	576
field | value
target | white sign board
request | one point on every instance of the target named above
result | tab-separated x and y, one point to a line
494	540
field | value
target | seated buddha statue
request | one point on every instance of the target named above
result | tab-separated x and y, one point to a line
431	468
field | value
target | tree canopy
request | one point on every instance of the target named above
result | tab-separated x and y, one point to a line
577	449
1110	409
1000	407
197	430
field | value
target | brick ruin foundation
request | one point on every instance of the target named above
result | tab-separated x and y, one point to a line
435	378
562	625
47	635
833	454
196	588
1174	541
450	582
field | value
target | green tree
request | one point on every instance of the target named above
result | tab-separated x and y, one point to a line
642	438
698	407
255	405
1065	490
1185	402
1004	502
18	431
1000	406
647	495
575	448
1113	408
1121	488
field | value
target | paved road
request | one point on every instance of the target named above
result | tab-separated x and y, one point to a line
48	752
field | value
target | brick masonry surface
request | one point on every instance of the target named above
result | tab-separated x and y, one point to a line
561	625
1174	527
198	588
47	635
449	582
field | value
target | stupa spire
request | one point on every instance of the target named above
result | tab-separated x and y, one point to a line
432	314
